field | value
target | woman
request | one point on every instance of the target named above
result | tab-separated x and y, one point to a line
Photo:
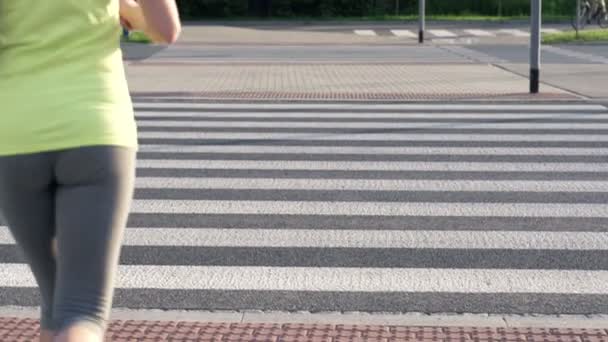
67	148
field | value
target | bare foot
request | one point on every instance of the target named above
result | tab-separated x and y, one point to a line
78	333
46	335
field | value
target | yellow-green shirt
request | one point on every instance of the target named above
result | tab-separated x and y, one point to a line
62	81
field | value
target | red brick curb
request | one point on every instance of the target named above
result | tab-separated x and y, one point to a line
26	330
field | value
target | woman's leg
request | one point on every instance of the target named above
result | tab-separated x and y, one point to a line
27	193
94	192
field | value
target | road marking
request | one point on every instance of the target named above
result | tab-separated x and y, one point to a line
370	208
328	238
372	150
480	33
373	115
576	54
443	33
382	137
404	33
340	279
347	107
371	184
372	166
370	125
368	33
515	32
550	30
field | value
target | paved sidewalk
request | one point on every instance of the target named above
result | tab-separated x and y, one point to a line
331	81
278	61
26	329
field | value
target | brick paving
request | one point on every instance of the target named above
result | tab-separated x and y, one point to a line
366	97
25	330
333	81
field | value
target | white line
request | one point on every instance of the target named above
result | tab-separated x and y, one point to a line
383	137
576	54
327	238
371	208
551	30
371	184
421	107
404	33
371	125
372	166
368	33
443	33
494	151
480	33
450	41
515	32
340	279
377	115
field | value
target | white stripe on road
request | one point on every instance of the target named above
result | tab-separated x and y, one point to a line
515	32
375	115
382	137
404	33
371	208
371	184
366	150
327	238
368	33
372	166
335	106
480	33
340	279
442	33
576	54
372	125
550	30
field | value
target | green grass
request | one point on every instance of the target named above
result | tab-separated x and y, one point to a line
137	37
570	37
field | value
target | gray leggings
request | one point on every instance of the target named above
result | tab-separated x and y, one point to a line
82	197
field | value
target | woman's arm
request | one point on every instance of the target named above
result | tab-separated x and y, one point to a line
158	19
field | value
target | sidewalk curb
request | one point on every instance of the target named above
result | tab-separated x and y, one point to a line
178	100
357	318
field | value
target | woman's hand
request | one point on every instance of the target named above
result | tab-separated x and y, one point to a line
162	19
131	15
124	23
158	19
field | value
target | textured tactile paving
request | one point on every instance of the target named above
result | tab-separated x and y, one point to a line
26	330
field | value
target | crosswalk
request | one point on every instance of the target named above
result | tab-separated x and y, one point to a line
492	208
452	33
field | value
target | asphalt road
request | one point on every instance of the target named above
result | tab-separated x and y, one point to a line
412	207
432	53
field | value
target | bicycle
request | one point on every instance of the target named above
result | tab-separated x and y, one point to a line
588	15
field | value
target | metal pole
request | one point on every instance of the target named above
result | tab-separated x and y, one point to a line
500	8
536	19
578	17
421	20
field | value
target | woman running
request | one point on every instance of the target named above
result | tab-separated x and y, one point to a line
67	148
